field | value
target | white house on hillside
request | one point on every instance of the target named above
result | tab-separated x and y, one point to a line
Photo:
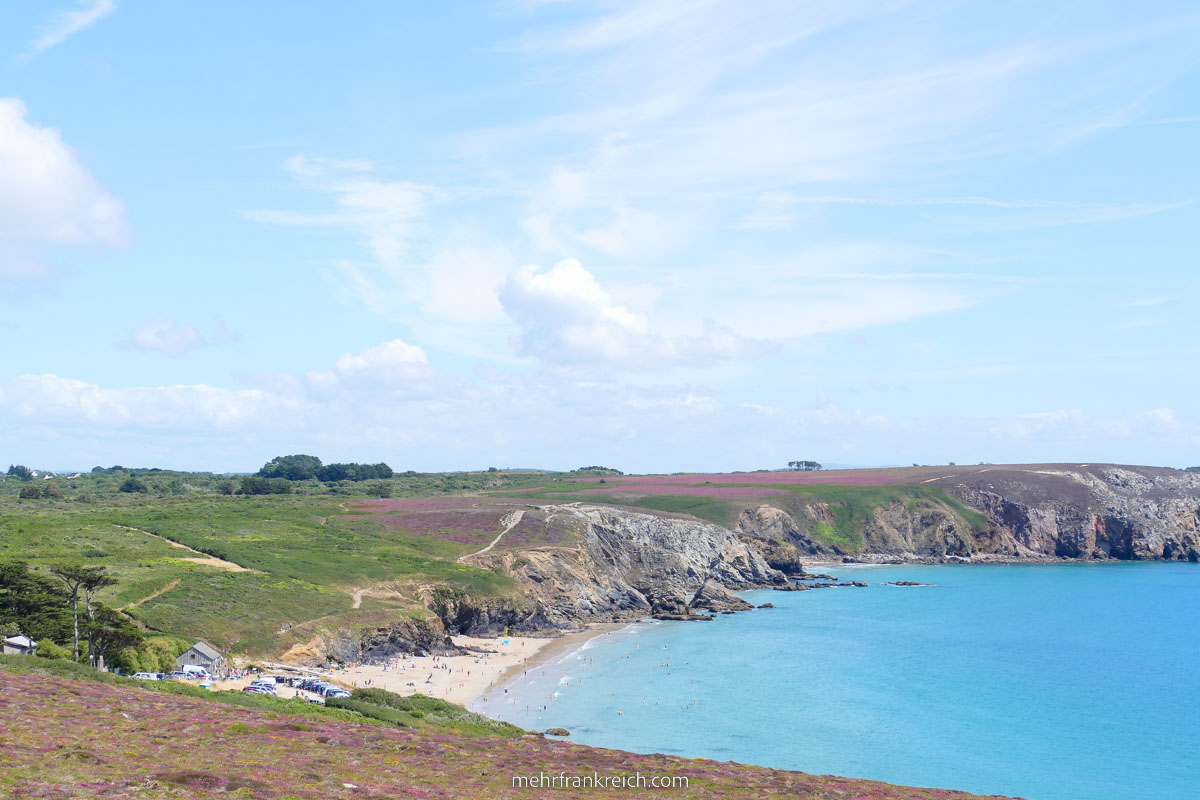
19	646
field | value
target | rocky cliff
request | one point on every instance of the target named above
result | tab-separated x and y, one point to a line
1033	512
621	565
578	563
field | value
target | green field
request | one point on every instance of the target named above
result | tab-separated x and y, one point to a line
303	553
259	573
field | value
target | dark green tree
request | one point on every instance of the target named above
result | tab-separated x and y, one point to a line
52	491
73	578
133	485
297	467
32	603
94	581
109	631
252	484
804	465
21	472
30	492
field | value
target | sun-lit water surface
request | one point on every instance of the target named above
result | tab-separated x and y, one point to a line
1056	682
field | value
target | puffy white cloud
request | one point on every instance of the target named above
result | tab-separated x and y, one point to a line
46	195
388	355
67	23
49	396
395	368
565	316
167	337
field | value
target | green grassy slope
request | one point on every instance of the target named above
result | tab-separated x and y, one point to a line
305	555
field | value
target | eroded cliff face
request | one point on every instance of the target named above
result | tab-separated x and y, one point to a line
1040	512
606	564
1090	512
623	565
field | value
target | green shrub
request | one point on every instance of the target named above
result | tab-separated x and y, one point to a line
30	492
48	649
433	711
133	485
390	715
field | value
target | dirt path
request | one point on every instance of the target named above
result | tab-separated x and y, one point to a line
163	590
359	594
200	558
511	520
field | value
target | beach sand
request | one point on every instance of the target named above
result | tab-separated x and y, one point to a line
465	680
459	679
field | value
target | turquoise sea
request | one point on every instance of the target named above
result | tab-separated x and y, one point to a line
1053	682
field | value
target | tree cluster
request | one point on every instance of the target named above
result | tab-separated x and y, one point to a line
252	484
30	491
20	472
598	469
133	485
301	467
807	466
49	608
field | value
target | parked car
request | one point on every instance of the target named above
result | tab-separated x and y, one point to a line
337	693
252	689
177	676
148	676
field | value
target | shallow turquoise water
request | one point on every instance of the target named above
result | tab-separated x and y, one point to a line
1055	682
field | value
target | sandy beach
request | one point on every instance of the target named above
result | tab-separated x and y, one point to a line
459	679
465	679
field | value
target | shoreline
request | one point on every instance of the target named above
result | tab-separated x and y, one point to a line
558	647
460	679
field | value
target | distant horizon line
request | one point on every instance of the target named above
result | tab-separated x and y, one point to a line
832	467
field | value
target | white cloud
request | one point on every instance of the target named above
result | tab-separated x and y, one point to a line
67	23
394	368
49	396
46	195
166	337
566	316
382	215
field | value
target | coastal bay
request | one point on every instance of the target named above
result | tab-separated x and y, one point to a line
1049	681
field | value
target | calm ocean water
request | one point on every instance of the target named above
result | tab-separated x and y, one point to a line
1053	682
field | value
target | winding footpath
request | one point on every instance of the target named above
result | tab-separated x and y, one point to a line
511	520
199	558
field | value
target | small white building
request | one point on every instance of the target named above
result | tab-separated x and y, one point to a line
20	646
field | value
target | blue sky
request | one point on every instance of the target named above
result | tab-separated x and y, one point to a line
662	236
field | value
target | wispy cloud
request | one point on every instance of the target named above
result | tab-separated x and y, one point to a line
67	23
173	339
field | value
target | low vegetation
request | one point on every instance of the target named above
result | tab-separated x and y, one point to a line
257	563
71	734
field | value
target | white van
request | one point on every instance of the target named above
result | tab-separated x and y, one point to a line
193	671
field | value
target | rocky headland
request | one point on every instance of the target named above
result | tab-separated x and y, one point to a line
621	564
